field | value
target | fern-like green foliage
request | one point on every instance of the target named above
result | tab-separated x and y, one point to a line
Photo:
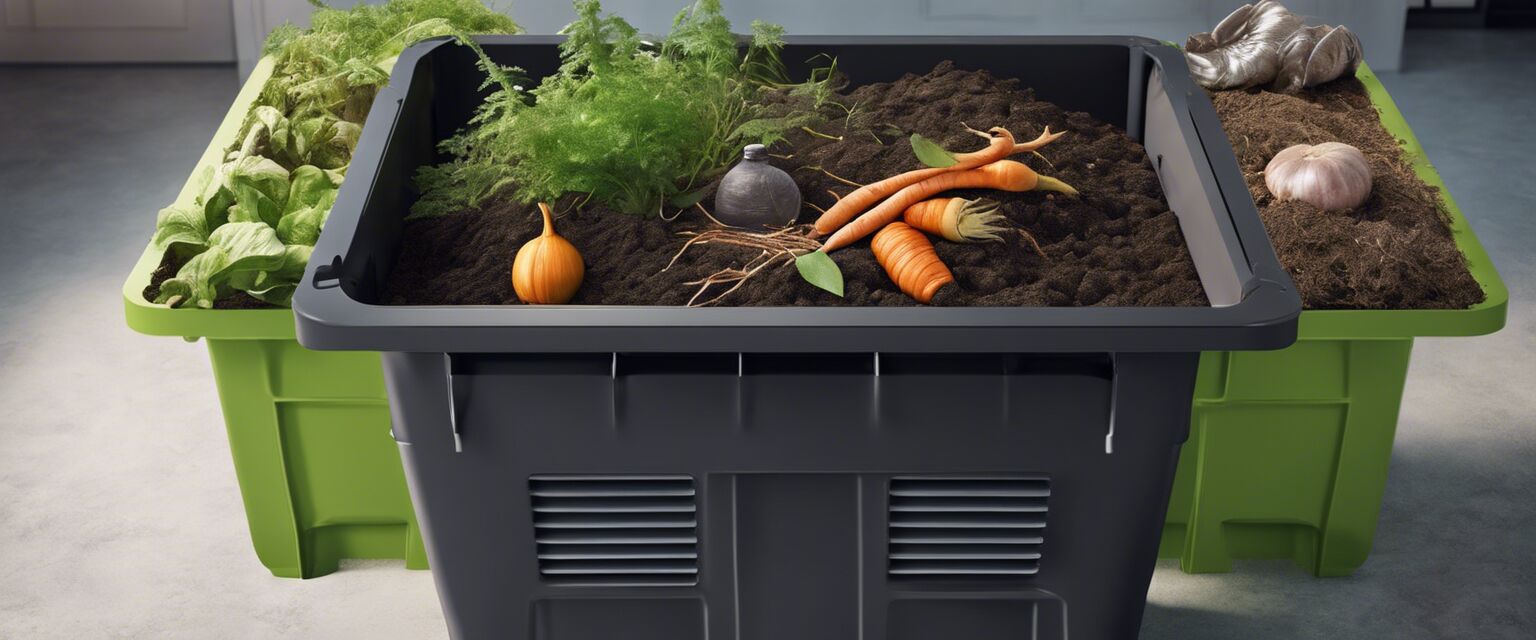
339	63
628	124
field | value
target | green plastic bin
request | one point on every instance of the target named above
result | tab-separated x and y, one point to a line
309	431
1288	450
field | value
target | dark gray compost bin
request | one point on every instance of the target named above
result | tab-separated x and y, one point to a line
658	473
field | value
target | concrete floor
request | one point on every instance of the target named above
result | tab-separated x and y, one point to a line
119	514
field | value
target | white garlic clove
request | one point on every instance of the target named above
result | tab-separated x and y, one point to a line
1329	176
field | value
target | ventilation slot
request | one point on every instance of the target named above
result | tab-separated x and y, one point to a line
628	531
967	527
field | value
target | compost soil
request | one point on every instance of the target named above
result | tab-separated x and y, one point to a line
1395	251
1118	244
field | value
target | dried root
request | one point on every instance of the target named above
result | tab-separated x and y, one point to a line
821	135
829	174
774	248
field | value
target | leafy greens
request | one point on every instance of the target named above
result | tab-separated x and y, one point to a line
630	124
258	214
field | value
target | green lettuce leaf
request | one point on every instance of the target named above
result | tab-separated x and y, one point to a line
274	126
308	185
277	286
311	193
236	253
326	142
303	226
183	225
187	226
260	188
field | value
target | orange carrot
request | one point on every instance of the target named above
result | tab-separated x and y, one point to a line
909	258
1005	175
957	219
1000	145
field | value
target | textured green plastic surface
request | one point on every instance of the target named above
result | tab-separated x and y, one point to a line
1288	450
308	430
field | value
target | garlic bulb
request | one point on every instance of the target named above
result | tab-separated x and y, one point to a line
1244	49
548	269
1331	175
1314	55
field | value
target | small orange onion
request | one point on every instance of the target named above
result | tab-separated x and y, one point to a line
548	269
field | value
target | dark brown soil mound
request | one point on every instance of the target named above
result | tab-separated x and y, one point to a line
1117	245
1394	252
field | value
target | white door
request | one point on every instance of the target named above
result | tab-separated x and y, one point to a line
116	31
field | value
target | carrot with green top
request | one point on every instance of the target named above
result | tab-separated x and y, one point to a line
957	219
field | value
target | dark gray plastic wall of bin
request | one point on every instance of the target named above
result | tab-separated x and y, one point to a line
654	473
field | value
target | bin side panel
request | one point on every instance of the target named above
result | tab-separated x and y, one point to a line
792	499
1288	455
318	473
308	431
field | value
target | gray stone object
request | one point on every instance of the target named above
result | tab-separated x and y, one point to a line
757	195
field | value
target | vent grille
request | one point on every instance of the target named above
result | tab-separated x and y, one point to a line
610	530
967	527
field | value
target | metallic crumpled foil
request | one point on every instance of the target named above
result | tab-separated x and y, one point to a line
1265	43
1314	55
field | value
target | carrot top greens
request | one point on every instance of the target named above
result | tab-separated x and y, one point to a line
631	124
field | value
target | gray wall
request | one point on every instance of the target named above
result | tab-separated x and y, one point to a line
1379	23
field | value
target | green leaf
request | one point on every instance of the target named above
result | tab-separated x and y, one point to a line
237	253
181	225
688	199
195	282
303	226
249	246
260	187
361	73
325	141
818	269
930	153
277	286
213	197
308	185
216	206
271	124
310	197
295	259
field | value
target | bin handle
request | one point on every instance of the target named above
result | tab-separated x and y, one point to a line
453	408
